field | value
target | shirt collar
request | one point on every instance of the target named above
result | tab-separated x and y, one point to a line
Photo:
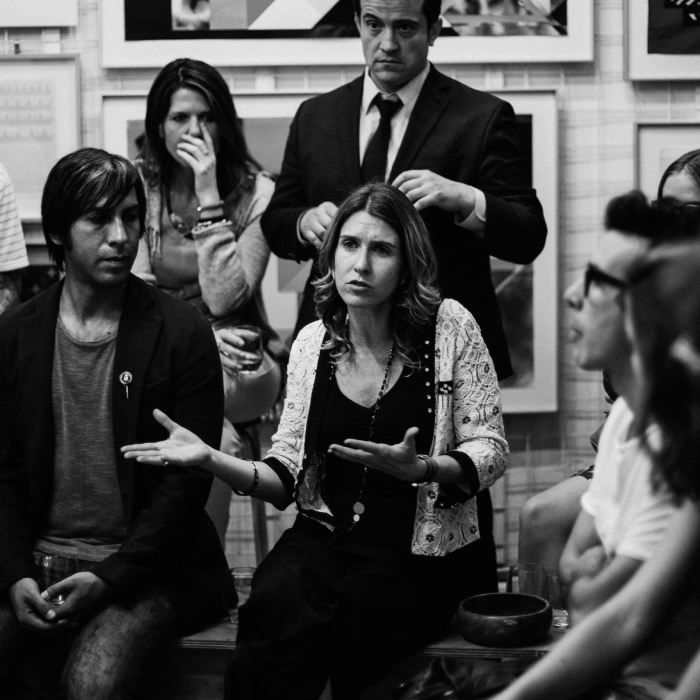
408	94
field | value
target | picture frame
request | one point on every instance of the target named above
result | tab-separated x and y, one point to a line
576	46
39	120
641	65
657	145
266	118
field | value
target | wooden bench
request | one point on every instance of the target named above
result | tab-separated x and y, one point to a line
193	668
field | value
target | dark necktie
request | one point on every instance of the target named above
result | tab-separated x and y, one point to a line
374	162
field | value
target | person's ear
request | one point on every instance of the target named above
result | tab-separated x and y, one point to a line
434	31
160	131
358	23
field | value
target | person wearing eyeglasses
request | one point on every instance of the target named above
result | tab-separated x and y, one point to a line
547	519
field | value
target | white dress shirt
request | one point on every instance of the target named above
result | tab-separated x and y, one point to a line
369	122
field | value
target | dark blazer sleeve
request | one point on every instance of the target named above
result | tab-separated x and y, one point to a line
15	552
515	227
170	534
288	203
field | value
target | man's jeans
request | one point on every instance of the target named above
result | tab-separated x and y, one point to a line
104	657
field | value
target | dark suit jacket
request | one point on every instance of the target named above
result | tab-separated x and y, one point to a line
170	350
455	131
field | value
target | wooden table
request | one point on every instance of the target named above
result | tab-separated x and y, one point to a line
193	668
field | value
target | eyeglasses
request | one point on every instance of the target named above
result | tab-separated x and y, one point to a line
595	274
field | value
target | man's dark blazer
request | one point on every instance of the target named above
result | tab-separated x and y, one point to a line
457	132
170	351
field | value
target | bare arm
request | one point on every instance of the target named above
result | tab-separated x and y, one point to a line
184	449
10	286
607	639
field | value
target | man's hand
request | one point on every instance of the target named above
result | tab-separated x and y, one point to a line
315	222
82	593
426	189
32	610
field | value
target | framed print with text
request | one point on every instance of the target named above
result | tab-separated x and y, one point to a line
39	121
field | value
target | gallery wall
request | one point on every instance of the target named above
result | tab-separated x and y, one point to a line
598	112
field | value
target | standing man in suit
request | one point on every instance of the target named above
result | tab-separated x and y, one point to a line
452	150
101	560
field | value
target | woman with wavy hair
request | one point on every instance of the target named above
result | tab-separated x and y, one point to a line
391	427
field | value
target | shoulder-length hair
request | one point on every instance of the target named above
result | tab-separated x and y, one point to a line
234	164
79	182
665	312
416	298
688	163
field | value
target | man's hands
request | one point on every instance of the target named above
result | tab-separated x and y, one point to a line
33	611
315	222
81	594
426	189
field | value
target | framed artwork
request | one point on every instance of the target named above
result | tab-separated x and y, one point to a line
39	13
39	122
662	39
657	145
137	34
527	294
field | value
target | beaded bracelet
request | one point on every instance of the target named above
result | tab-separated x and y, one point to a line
256	478
206	224
216	205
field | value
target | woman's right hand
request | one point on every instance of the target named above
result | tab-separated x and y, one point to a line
200	155
182	448
233	357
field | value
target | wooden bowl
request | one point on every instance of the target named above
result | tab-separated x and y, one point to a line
504	619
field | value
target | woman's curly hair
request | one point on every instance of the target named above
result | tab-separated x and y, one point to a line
665	312
416	298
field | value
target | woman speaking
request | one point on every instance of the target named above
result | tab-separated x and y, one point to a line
391	426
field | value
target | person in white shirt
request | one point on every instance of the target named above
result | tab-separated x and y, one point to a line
13	252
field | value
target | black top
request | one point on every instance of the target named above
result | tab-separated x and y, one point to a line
390	503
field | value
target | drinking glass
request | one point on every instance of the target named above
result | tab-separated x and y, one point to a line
528	578
242	580
252	339
555	595
55	569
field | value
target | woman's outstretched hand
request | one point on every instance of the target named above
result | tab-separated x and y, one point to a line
182	448
399	460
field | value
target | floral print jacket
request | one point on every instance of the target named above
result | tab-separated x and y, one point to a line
462	406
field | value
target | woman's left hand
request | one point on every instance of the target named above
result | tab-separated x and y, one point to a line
399	460
200	155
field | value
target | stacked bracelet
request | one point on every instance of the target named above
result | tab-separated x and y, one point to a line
431	470
256	478
216	205
212	219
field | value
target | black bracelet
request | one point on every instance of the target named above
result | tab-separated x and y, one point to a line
212	220
256	478
431	470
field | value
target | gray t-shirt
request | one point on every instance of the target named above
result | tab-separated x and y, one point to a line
86	519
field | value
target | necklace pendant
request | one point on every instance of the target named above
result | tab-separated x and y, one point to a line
358	509
356	518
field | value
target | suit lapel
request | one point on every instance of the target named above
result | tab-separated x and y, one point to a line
139	329
35	362
348	145
430	105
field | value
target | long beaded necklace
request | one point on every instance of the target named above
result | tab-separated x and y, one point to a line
358	507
